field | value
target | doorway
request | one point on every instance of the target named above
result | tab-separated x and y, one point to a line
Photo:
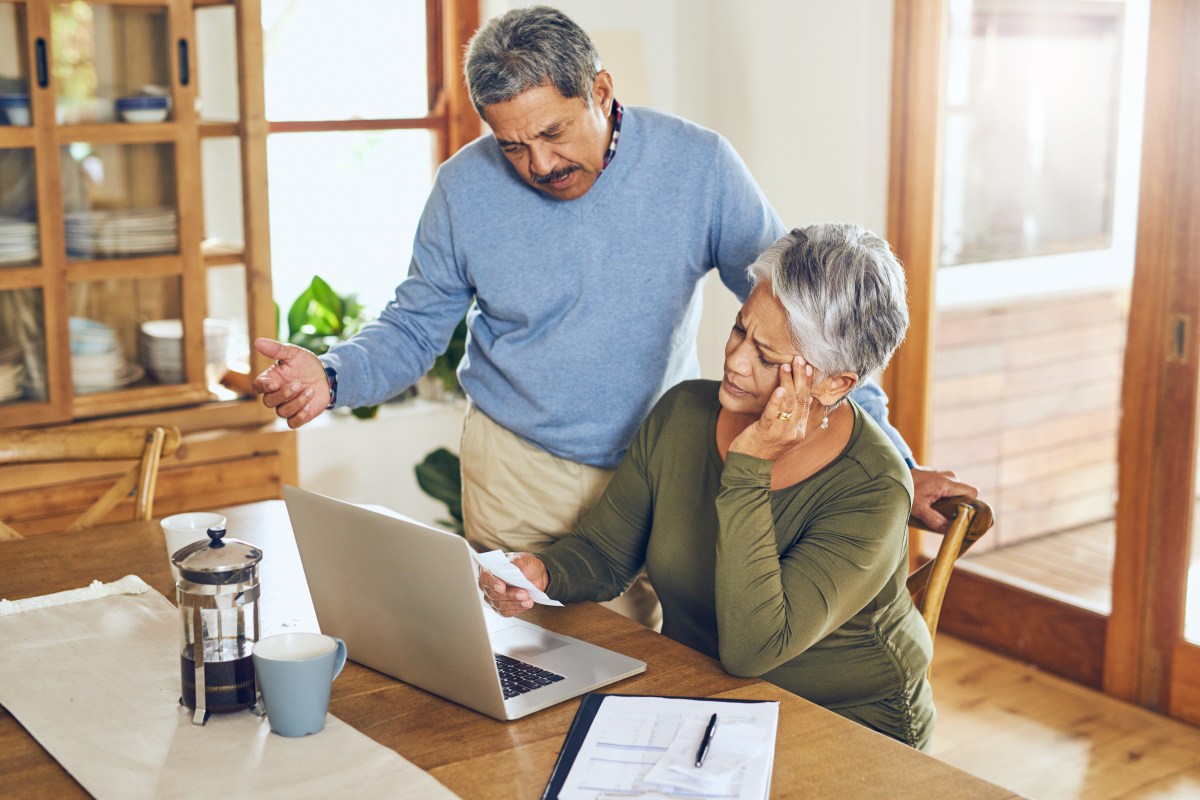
1032	273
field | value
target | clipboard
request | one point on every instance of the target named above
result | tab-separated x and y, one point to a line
582	722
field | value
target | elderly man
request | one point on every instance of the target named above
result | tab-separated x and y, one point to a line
578	235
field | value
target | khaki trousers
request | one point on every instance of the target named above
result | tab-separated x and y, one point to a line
517	497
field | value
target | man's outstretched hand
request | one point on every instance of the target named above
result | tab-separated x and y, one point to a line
295	385
931	485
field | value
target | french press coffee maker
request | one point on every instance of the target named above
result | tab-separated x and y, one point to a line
217	592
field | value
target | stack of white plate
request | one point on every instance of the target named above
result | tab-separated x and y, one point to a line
97	362
18	241
160	347
132	232
12	372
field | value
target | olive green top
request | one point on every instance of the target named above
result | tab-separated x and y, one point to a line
803	586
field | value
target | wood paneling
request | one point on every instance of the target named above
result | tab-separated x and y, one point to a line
1061	638
1185	689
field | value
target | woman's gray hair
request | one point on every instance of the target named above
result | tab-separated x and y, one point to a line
844	293
527	48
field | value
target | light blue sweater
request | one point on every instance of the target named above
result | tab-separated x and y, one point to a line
585	311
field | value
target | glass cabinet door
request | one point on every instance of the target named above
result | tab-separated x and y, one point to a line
19	244
111	63
119	200
23	373
23	370
14	79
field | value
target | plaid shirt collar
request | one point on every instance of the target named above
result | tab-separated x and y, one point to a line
618	111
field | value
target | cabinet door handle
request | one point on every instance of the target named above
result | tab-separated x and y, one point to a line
184	73
43	73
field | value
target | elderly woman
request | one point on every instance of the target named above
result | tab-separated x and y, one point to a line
769	509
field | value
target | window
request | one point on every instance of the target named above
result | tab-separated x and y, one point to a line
364	102
1041	146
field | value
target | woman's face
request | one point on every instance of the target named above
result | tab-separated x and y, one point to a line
759	344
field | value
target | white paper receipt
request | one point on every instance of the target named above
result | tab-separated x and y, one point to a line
498	564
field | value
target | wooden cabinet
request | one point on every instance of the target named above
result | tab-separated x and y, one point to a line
114	299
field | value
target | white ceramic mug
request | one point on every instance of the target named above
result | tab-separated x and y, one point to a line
183	529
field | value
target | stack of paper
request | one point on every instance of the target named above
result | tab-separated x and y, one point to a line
648	746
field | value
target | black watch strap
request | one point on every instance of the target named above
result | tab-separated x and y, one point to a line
331	376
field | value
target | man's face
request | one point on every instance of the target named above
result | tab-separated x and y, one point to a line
555	144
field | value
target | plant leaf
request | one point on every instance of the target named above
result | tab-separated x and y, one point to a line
439	477
298	313
332	309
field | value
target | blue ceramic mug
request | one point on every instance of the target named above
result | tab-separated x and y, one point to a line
295	672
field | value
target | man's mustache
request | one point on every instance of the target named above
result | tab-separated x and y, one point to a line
556	175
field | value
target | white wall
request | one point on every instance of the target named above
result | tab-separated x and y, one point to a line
801	89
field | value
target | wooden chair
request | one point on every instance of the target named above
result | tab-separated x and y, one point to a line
969	519
146	444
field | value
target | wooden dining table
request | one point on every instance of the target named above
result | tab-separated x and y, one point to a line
817	752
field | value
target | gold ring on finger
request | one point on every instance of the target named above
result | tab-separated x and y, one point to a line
783	416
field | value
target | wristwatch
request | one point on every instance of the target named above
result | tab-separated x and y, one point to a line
331	376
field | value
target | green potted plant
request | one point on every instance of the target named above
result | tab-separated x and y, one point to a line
439	477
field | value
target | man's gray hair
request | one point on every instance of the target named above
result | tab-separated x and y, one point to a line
527	48
844	293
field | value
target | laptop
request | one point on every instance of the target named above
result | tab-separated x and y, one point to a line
403	595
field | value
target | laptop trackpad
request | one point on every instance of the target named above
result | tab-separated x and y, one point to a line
525	642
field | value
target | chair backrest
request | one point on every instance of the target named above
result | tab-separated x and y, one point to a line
145	444
970	518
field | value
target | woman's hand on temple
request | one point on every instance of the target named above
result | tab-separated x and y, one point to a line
508	601
785	419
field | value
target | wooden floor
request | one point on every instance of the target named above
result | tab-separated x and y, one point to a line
1050	739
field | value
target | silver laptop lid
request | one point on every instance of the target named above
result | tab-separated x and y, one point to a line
401	594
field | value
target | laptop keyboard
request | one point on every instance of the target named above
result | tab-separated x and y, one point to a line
517	677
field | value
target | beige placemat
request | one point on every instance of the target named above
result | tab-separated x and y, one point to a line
93	675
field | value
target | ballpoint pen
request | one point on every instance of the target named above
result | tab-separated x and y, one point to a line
709	732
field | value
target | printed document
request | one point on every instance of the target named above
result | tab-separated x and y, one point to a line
648	745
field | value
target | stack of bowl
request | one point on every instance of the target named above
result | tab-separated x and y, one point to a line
18	241
142	108
14	109
97	361
160	347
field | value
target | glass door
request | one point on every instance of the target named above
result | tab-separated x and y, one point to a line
33	386
1040	133
1153	654
1055	286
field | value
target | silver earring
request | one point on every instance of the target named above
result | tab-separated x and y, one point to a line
825	419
